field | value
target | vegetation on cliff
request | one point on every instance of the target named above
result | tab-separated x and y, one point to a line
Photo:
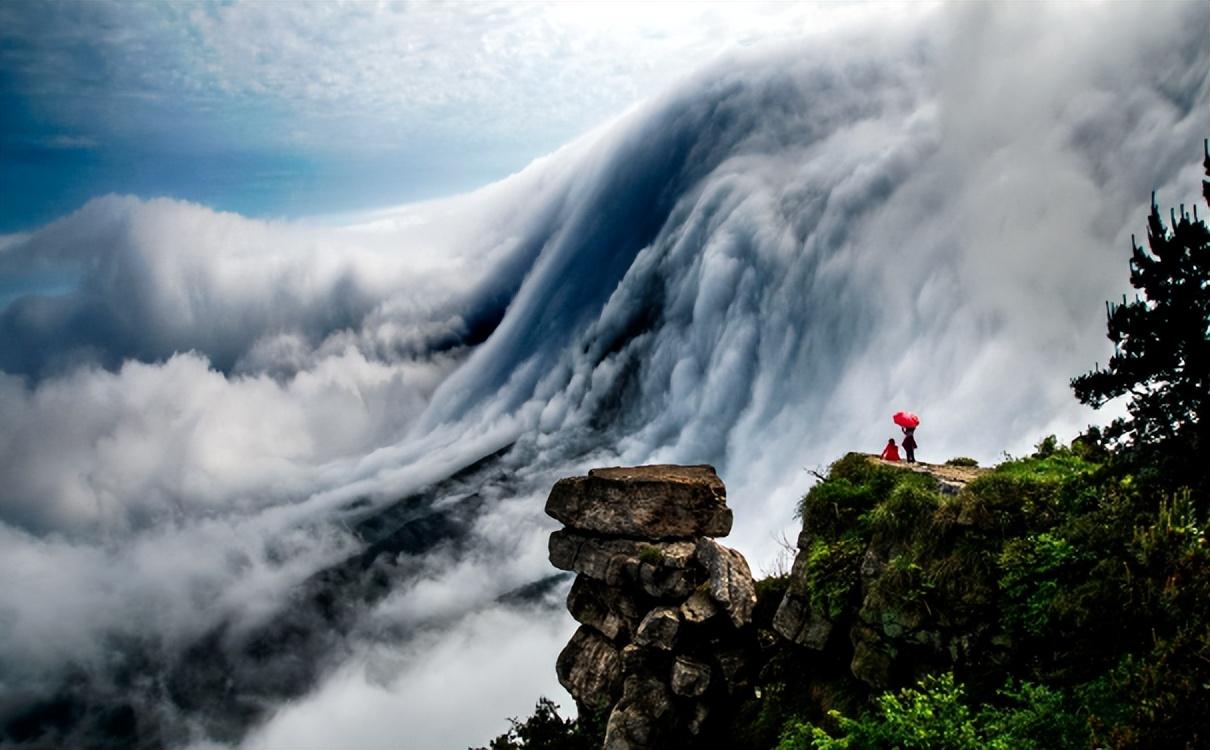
1058	601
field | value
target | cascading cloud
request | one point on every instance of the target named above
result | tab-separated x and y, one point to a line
753	270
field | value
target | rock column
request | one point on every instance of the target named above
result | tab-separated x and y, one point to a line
665	611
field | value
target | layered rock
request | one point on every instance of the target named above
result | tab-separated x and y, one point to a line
644	502
665	638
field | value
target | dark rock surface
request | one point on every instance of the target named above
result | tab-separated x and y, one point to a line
731	583
690	677
699	607
644	502
658	629
659	568
606	609
590	668
643	718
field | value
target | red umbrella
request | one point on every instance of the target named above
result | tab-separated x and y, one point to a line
906	419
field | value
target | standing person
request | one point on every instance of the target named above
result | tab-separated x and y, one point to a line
890	452
909	443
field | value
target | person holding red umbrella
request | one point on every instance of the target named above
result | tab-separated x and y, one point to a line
908	422
909	444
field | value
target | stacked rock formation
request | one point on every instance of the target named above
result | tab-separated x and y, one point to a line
665	611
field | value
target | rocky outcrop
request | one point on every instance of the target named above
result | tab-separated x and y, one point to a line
870	591
644	502
665	640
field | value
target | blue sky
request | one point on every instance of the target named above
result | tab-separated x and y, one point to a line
287	109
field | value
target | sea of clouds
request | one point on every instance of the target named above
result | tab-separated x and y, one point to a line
754	270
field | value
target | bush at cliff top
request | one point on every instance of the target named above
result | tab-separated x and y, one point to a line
854	486
935	716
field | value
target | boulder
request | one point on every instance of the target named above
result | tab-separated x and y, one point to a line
697	719
791	615
590	668
608	610
699	607
662	569
658	629
644	502
639	660
795	619
640	721
733	666
796	622
731	583
650	593
665	579
690	677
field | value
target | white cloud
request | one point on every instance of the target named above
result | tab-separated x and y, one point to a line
379	75
472	659
74	606
755	270
487	69
98	453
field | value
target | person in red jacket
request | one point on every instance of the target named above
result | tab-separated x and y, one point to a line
891	451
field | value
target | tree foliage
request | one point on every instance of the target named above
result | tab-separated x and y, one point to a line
547	730
1161	339
934	715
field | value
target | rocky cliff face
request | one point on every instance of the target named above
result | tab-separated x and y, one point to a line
665	642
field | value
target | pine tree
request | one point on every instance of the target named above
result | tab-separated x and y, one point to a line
1161	341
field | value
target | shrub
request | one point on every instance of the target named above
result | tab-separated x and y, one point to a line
962	461
1035	718
1046	447
547	730
1030	494
932	717
909	504
832	572
853	486
935	716
1031	578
